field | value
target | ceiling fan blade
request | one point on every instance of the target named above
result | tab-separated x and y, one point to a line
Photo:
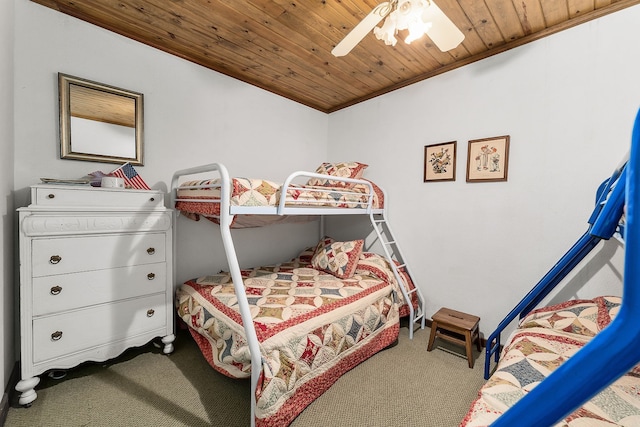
443	31
362	29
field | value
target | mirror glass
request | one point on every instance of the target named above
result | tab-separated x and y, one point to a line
98	122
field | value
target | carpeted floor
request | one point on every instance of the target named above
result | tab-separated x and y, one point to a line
403	386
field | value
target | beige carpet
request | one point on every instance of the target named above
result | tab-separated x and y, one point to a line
402	386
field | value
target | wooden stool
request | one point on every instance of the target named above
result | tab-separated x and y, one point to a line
451	325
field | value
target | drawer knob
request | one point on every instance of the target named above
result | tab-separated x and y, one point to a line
151	276
55	259
151	251
150	312
56	336
153	199
55	290
51	196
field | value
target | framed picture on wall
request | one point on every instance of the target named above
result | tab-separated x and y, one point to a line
488	159
440	162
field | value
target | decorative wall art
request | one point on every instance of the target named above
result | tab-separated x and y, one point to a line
488	159
440	162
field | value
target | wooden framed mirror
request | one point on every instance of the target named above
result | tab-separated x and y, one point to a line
99	123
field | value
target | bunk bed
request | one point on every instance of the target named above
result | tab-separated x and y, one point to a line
296	326
574	363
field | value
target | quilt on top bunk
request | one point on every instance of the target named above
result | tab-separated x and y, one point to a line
545	339
312	326
317	192
260	192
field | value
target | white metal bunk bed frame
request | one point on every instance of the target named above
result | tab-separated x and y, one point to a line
228	212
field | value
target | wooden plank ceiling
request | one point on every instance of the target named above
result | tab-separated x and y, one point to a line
284	46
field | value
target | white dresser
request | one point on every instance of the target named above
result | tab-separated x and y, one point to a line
95	277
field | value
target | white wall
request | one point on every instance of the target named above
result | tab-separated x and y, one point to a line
7	356
567	101
192	116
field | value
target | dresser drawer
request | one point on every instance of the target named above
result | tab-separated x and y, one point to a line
53	294
77	254
52	196
63	334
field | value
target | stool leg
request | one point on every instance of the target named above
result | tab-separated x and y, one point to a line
478	342
432	336
467	345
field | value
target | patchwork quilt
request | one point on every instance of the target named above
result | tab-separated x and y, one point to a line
263	193
544	340
312	327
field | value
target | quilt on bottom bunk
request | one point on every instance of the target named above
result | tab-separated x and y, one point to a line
312	327
545	339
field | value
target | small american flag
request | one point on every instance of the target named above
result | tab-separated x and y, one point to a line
130	176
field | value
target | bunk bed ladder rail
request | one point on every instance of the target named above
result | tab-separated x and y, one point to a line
602	225
612	352
392	252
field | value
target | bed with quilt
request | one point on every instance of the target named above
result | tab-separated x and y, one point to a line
316	317
545	339
333	186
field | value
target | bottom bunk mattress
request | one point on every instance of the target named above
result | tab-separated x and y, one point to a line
545	339
311	326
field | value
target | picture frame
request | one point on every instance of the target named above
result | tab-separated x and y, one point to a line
440	162
488	159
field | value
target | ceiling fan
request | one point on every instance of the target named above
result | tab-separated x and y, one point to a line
417	16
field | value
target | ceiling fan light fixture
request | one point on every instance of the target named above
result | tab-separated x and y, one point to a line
406	15
417	29
387	32
416	16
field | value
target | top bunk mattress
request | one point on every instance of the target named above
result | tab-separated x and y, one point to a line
202	198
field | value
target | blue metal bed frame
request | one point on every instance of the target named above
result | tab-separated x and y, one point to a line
616	349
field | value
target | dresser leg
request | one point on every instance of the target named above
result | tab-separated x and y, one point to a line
26	388
168	343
